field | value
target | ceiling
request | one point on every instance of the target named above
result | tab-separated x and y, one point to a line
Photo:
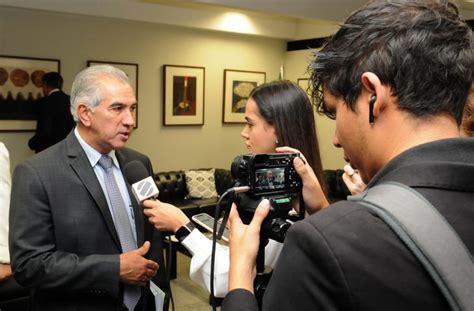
283	19
330	10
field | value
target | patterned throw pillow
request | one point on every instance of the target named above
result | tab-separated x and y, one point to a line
201	184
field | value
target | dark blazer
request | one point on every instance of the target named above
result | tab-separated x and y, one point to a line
344	258
54	121
64	245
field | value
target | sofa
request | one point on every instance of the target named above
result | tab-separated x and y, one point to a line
173	189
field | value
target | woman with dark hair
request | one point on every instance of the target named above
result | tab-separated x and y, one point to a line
278	114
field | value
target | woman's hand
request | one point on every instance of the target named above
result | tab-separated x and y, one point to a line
164	216
313	194
244	241
353	180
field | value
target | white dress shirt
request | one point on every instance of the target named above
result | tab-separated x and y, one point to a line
5	189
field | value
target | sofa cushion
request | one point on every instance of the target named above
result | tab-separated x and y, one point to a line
201	183
173	190
224	180
172	185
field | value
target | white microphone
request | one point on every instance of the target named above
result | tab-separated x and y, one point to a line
145	189
143	186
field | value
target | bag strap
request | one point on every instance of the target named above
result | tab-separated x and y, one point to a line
428	235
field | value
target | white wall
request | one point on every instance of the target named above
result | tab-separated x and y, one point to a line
74	39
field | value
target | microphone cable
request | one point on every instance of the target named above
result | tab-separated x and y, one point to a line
217	235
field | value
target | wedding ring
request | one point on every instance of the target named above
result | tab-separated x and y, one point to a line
353	173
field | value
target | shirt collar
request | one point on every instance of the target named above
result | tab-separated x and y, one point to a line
53	91
93	155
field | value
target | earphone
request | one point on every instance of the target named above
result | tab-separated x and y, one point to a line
373	98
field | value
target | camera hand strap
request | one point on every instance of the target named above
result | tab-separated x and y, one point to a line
428	235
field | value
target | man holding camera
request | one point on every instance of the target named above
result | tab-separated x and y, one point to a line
395	77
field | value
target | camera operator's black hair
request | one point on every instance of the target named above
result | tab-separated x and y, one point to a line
53	80
285	106
421	49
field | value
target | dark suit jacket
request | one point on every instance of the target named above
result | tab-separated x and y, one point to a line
54	121
344	258
63	242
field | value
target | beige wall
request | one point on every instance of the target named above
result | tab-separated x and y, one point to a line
74	39
296	63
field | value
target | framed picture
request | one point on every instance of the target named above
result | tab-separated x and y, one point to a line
237	86
183	95
130	69
20	88
304	84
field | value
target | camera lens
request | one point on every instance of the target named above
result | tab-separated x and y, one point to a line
238	168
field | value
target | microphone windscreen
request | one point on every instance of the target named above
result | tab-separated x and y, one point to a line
135	171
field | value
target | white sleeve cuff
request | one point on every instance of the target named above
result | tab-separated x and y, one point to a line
200	248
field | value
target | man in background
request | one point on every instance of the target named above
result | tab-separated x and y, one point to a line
78	238
54	115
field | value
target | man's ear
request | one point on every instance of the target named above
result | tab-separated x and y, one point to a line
84	114
372	86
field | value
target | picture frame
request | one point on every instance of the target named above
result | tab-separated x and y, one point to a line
237	86
183	95
304	84
131	69
20	88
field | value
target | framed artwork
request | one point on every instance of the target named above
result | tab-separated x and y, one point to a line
20	88
237	86
304	84
183	95
130	69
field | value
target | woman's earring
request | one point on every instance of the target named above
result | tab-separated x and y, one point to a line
276	141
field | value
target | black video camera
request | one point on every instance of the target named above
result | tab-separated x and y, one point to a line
271	176
267	174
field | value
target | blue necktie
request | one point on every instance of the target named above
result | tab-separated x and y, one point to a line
122	225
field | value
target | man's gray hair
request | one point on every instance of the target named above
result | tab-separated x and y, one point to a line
87	87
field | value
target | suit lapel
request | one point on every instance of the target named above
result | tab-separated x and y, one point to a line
137	209
81	166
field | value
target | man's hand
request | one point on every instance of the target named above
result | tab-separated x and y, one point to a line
164	216
313	194
5	272
353	180
135	268
244	242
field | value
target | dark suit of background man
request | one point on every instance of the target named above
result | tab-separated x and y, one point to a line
54	114
65	243
395	76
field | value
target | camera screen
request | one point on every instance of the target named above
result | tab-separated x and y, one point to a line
270	179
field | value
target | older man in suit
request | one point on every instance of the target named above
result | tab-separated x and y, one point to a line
78	238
